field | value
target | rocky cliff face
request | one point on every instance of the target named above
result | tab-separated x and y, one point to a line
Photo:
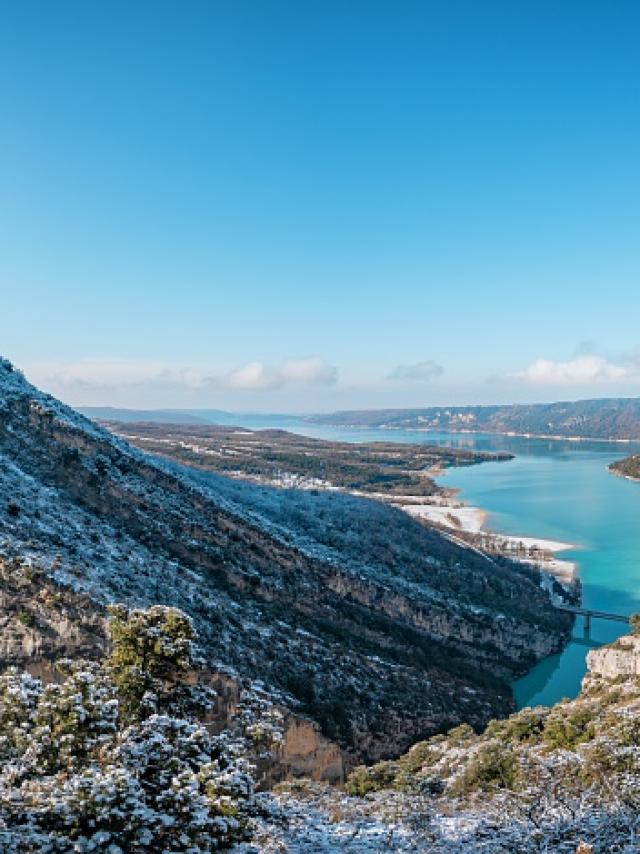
40	623
357	617
619	660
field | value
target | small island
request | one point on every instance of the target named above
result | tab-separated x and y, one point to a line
629	467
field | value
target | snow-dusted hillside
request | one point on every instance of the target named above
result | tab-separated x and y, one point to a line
381	630
562	779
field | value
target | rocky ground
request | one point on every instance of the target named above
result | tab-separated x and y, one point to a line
560	779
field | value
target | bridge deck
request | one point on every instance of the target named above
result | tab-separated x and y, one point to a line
587	612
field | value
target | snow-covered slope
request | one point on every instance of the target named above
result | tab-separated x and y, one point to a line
562	779
381	630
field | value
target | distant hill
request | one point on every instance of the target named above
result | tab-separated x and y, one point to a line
164	416
190	416
607	418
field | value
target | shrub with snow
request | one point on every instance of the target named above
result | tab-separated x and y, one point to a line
89	763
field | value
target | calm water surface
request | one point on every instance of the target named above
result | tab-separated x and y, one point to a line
555	489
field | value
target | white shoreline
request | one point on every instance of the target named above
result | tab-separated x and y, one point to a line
460	518
464	518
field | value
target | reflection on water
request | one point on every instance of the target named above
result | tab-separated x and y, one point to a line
556	676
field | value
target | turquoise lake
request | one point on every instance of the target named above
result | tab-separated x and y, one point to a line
559	490
563	490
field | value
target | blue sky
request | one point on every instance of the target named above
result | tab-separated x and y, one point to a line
307	206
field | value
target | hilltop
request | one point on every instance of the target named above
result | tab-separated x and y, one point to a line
374	628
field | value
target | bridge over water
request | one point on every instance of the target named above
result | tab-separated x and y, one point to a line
590	614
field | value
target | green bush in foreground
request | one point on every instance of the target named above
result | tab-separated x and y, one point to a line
493	766
105	760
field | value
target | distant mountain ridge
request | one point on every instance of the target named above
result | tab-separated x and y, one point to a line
165	416
606	418
189	416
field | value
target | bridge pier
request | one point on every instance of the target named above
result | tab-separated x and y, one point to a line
587	623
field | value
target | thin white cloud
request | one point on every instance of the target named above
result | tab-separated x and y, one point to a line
309	371
113	373
257	375
418	372
582	370
252	375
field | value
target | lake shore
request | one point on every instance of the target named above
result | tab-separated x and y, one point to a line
466	520
624	476
507	433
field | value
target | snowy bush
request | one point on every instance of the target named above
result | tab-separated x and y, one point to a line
153	652
78	774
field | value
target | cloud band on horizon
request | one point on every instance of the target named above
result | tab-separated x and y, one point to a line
581	370
106	374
